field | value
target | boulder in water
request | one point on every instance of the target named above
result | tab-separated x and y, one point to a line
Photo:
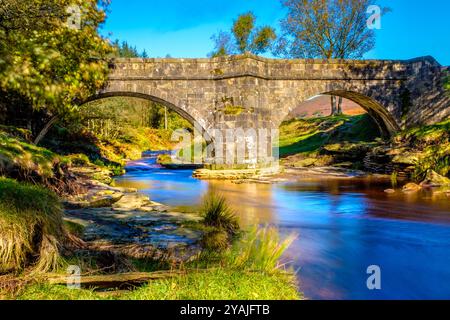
411	187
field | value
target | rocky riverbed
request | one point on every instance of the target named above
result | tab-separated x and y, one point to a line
122	220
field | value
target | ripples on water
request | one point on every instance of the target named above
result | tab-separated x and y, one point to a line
344	226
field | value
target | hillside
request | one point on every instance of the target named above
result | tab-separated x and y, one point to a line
320	106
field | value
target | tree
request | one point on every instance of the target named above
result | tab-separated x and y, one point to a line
329	29
48	62
243	37
124	50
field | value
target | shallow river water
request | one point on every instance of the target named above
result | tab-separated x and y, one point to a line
343	227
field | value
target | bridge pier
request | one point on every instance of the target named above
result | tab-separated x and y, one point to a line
242	148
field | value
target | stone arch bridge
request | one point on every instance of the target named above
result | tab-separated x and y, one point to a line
253	92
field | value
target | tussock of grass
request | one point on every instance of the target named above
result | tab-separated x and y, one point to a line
30	227
216	213
260	249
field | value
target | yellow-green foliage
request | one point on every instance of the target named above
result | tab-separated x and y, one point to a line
17	154
30	227
429	135
133	142
79	159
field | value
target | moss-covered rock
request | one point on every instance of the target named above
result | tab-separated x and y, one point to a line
434	179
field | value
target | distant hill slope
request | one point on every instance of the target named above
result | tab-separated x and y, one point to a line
321	106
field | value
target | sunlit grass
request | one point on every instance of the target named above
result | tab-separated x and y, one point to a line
260	249
214	284
30	227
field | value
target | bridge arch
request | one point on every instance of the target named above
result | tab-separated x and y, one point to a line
196	121
366	99
386	123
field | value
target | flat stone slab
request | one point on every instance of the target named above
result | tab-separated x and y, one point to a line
156	228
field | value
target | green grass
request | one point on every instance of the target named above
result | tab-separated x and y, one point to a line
432	143
217	213
30	227
214	284
220	284
310	135
260	249
74	228
430	135
53	292
19	155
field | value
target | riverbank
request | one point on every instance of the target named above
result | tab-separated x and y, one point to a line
129	247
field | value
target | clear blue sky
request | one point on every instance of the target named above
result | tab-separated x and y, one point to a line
183	28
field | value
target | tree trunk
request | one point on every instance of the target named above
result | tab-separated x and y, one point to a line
336	106
333	105
165	118
339	106
44	130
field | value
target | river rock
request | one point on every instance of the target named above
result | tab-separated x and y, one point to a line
132	201
433	180
407	158
389	191
126	190
96	200
411	187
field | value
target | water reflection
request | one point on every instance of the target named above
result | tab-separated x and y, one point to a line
343	226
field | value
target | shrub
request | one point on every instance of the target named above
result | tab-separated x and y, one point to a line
79	159
30	227
216	213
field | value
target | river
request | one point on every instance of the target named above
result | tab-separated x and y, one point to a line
343	227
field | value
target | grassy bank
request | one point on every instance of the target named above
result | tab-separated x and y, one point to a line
352	142
126	145
338	140
233	264
216	284
249	269
30	227
425	148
